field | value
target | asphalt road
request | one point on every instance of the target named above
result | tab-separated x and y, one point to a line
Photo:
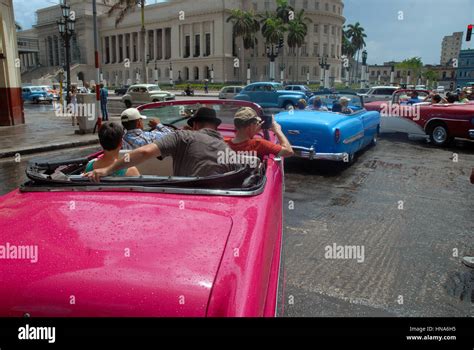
405	203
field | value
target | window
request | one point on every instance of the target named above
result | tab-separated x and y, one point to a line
267	5
333	30
197	45
315	71
316	5
315	28
326	6
326	29
333	52
305	4
187	46
208	45
325	49
334	8
315	49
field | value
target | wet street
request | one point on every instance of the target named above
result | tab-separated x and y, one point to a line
408	207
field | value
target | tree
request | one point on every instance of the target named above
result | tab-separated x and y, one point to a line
413	65
283	10
296	38
357	36
273	31
124	7
244	25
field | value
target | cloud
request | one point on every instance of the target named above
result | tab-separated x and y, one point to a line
25	10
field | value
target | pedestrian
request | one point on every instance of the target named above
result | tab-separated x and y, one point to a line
104	94
206	86
74	105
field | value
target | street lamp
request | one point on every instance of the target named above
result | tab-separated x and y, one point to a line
363	71
272	51
212	74
323	60
171	73
66	30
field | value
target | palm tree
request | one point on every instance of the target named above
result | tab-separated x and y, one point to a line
347	48
124	7
357	35
296	38
283	10
273	30
244	25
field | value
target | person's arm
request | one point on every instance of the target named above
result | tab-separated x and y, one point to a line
132	159
132	172
286	149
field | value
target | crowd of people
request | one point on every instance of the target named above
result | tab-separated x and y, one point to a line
195	149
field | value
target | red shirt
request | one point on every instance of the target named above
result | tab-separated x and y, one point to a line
261	146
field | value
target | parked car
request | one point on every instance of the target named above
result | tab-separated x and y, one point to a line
300	88
128	249
440	89
229	92
83	90
35	94
146	93
122	90
51	92
379	93
329	135
420	87
270	95
440	122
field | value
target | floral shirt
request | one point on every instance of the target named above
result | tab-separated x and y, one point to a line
137	138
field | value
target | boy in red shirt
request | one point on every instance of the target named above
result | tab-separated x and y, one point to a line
248	124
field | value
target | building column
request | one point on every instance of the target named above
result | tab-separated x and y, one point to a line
117	49
139	45
202	41
147	45
163	43
155	44
124	46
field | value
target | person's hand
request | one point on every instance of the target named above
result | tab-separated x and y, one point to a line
153	124
95	175
275	126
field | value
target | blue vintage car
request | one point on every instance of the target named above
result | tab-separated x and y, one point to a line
270	95
330	135
35	94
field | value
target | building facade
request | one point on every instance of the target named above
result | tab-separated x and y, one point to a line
450	47
28	49
11	111
189	41
465	69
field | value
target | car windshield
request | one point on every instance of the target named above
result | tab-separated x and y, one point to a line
36	89
355	101
154	88
278	87
243	178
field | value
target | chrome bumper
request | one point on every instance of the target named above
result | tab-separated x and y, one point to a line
471	133
311	154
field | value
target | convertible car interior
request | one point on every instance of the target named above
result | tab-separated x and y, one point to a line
156	174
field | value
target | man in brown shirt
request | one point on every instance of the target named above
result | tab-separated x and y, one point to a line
195	153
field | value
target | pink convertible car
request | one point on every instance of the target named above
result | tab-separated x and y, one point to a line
151	246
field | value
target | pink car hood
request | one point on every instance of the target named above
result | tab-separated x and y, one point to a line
111	254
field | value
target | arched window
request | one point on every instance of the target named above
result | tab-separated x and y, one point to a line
186	73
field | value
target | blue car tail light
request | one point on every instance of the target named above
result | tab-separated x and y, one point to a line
337	136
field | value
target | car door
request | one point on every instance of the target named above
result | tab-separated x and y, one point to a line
135	94
25	94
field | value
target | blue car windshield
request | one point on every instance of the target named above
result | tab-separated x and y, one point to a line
355	102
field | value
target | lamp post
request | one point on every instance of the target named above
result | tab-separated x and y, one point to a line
282	73
171	74
66	30
156	73
212	74
323	63
272	51
363	71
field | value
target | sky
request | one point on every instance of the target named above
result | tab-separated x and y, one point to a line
391	35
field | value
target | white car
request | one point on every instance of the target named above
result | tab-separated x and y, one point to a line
440	89
229	92
379	93
145	93
420	87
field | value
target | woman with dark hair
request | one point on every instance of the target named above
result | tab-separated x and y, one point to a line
110	137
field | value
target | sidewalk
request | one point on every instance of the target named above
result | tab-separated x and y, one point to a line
42	132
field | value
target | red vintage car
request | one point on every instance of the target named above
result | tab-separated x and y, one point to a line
147	246
440	122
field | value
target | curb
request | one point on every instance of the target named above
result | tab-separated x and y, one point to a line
48	148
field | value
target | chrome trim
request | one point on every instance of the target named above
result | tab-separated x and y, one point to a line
310	153
144	189
354	138
471	133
